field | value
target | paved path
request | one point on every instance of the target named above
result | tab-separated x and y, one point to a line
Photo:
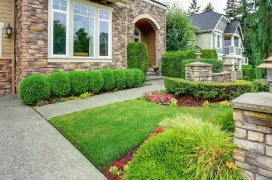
31	149
59	109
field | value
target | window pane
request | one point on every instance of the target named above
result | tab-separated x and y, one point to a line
103	14
104	38
83	36
59	34
60	5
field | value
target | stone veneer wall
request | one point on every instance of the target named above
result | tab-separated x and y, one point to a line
32	37
5	76
199	72
253	135
221	77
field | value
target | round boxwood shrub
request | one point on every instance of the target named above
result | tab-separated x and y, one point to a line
191	150
95	81
60	84
79	82
119	76
129	81
139	78
34	88
109	79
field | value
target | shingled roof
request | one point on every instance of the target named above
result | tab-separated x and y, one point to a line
231	28
206	21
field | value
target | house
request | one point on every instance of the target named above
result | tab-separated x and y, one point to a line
216	31
65	35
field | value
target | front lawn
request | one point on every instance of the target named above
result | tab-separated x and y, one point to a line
105	134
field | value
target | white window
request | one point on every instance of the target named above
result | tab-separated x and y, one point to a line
218	40
1	41
80	31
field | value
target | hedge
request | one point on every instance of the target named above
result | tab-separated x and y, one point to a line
138	56
249	73
95	81
109	80
139	78
130	79
120	78
79	82
214	91
217	64
60	84
34	88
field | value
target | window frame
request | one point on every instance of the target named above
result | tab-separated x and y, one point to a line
2	25
69	57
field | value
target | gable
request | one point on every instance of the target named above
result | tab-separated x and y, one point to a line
206	21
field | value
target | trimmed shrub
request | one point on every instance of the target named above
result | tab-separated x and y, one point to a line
216	91
183	67
34	88
249	73
120	78
209	53
95	81
139	78
129	80
225	120
79	82
138	56
109	80
217	64
60	84
260	85
190	149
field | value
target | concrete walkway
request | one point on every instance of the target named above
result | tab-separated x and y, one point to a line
31	149
59	109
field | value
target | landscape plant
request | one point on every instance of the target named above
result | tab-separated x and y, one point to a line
139	78
130	79
120	79
260	85
95	81
109	80
60	84
225	121
79	82
34	88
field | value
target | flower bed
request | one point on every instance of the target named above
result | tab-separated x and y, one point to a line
62	86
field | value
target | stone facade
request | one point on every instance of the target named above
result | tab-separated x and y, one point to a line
199	72
5	76
253	135
32	36
221	77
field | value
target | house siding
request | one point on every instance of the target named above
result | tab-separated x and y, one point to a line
32	37
204	41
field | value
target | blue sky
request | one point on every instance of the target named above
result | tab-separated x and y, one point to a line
219	5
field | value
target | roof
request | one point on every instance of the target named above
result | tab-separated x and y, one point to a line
231	28
160	3
206	20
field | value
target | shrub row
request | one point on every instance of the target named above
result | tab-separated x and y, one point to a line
217	91
138	56
249	73
61	84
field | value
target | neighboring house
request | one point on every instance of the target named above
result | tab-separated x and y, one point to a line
215	31
54	35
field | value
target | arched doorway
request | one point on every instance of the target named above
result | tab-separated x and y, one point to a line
146	33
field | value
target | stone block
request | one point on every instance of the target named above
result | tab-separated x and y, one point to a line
252	127
250	146
262	119
240	133
239	155
269	140
264	173
255	136
247	175
268	150
265	161
238	115
259	177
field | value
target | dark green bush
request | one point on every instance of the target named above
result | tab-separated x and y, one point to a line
260	85
182	70
193	150
129	80
217	64
171	65
60	84
249	73
138	56
139	78
109	80
79	82
34	88
225	120
217	91
120	78
95	81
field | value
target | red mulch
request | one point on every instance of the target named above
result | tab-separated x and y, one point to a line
190	101
120	163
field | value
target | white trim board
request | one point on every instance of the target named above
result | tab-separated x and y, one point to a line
1	38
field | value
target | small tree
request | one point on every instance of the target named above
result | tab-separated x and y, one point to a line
180	32
232	9
194	8
209	8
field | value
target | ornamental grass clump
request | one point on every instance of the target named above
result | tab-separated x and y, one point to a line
190	149
60	84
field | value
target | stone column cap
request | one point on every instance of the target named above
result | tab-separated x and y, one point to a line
257	102
198	64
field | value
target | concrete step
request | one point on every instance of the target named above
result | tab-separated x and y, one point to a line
150	70
153	78
151	73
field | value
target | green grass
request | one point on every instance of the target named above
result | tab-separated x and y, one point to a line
104	134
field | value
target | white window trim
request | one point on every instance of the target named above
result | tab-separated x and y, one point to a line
216	40
69	40
1	38
140	34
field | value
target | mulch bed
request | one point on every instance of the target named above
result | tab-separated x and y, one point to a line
120	163
190	101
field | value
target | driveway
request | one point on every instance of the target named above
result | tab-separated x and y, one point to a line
31	149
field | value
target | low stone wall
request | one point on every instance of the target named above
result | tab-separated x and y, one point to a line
227	67
199	72
253	135
5	76
221	77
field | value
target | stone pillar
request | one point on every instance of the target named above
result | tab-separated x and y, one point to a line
198	71
253	135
